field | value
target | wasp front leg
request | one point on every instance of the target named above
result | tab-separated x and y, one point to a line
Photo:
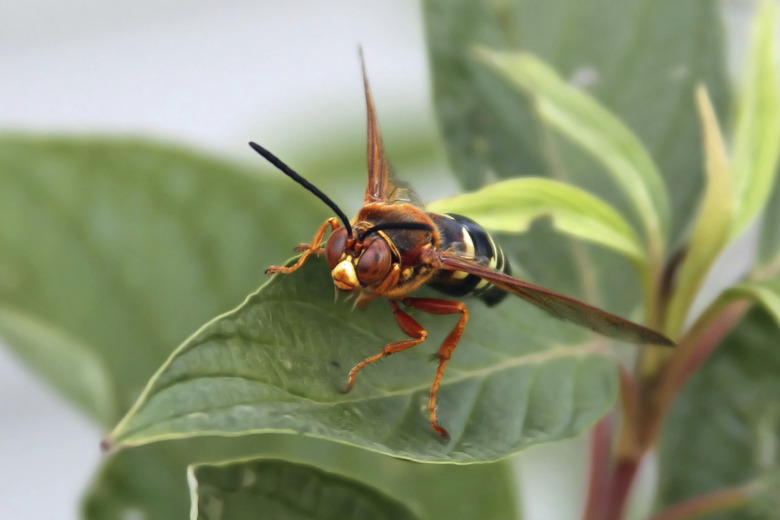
307	249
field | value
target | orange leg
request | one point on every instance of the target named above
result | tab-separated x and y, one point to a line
307	249
414	330
410	327
437	306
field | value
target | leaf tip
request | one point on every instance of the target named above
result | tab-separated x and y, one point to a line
107	445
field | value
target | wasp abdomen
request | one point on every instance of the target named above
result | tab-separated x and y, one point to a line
466	238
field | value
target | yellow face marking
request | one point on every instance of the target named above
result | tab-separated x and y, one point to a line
344	276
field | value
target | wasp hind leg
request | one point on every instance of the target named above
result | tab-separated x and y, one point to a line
437	306
307	249
418	334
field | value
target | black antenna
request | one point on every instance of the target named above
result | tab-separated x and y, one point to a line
414	226
271	158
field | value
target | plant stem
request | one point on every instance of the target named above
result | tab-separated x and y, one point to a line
620	486
718	501
599	473
629	445
610	486
644	406
697	345
652	361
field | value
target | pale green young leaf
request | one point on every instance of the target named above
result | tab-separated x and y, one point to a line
641	58
285	490
757	137
512	205
586	122
713	222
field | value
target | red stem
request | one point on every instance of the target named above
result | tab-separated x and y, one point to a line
620	487
600	466
727	320
695	348
610	487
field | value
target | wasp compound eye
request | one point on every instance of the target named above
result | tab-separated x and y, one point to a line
374	263
334	247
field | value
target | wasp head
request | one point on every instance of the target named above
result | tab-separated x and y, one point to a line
358	262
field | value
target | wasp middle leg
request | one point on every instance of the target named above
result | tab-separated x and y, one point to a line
414	330
410	327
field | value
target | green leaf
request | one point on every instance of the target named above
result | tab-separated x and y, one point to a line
79	374
150	481
713	223
583	120
63	361
114	251
724	428
285	490
769	240
510	206
757	138
279	362
764	292
640	58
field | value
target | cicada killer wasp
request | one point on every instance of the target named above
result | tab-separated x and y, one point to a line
393	247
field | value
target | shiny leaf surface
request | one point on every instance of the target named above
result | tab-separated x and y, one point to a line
279	362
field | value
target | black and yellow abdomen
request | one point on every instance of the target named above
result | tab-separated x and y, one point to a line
466	238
